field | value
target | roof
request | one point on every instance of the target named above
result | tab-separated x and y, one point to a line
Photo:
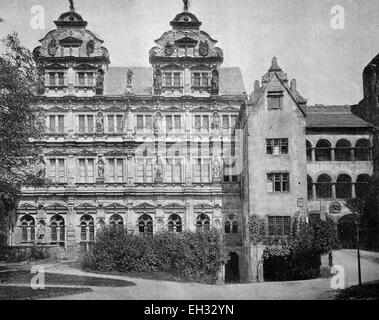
320	116
231	81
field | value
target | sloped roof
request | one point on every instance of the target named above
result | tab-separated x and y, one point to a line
320	116
231	82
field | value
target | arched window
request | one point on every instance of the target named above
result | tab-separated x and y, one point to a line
324	187
362	150
57	229
87	228
362	186
343	187
309	151
323	151
235	226
227	226
231	224
145	225
174	223
202	222
27	228
116	221
310	187
343	150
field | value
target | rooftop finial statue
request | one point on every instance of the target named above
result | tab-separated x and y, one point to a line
186	5
72	8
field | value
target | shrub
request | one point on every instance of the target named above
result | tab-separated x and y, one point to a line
192	256
257	229
18	254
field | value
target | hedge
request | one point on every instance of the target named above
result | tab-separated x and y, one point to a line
192	256
19	254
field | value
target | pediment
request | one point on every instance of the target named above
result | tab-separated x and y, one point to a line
86	153
56	207
203	206
115	153
143	109
115	109
115	206
85	207
145	205
229	109
201	67
172	66
201	109
85	66
56	109
55	153
55	66
85	109
27	207
173	109
175	206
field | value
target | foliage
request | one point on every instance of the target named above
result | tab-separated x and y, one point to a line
257	229
20	120
298	257
192	256
18	254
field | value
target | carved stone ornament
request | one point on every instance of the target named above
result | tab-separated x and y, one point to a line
52	47
41	168
100	123
217	169
90	49
169	49
100	167
215	80
204	48
129	77
158	79
215	121
335	208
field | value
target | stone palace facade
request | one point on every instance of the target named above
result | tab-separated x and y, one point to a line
180	146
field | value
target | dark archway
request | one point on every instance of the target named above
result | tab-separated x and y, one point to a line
347	231
232	270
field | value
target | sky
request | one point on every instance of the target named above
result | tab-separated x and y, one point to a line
327	62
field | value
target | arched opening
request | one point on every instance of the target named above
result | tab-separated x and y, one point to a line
309	151
362	186
324	187
145	225
27	228
343	187
362	150
347	233
227	226
343	150
202	222
58	234
116	221
174	223
310	187
232	273
87	232
323	151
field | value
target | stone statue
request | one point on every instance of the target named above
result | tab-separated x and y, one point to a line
217	170
100	80
100	168
215	121
157	123
129	76
41	168
158	79
186	5
72	8
99	123
41	231
215	80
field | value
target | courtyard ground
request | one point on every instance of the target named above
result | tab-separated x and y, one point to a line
168	290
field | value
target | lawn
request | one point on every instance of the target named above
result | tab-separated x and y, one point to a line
27	293
369	291
24	277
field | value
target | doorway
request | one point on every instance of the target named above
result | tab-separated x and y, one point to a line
232	272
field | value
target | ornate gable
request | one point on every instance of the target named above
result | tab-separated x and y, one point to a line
86	207
115	206
56	207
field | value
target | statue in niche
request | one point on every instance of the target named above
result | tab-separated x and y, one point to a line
99	123
217	169
158	79
215	121
169	49
41	168
157	123
90	47
204	48
100	167
52	47
41	231
215	80
100	80
129	77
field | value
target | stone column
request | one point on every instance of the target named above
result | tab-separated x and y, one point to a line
313	152
334	195
353	193
314	192
332	154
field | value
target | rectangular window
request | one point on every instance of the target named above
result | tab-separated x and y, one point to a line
82	81
225	122
279	226
61	79
61	124
145	170
178	122
52	124
52	79
204	80
197	123
90	79
111	124
116	170
278	182
120	124
233	120
82	124
277	146
274	100
169	125
196	79
168	79
90	124
149	122
206	123
86	170
177	79
139	122
57	170
201	170
173	170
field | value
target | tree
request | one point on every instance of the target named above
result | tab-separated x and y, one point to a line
20	122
